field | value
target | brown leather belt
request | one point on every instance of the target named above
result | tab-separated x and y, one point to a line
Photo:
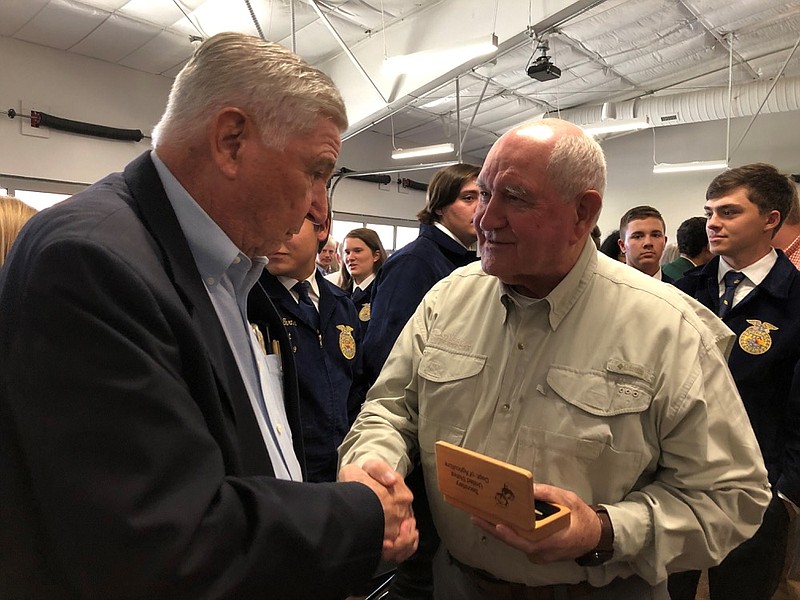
498	589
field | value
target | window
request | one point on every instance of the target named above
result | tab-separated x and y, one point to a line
394	233
339	229
39	200
404	235
386	235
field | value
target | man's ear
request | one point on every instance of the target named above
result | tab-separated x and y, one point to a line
773	219
230	128
587	207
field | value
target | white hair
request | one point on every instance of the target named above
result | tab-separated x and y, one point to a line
577	164
276	88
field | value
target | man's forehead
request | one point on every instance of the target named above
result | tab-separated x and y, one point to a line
645	224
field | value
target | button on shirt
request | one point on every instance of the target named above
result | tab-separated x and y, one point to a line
228	276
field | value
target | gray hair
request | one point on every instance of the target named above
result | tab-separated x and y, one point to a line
577	164
276	88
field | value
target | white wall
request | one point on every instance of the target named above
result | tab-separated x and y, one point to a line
78	88
772	139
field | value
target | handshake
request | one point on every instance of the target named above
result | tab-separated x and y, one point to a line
400	535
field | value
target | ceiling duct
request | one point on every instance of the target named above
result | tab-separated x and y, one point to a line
697	107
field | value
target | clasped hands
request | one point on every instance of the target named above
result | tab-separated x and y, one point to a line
400	537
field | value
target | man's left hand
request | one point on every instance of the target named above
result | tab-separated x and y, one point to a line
581	536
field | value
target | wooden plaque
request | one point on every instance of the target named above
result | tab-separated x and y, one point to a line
496	491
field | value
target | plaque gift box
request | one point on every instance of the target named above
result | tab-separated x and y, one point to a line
495	491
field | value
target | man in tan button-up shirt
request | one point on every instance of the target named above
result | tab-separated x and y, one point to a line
610	386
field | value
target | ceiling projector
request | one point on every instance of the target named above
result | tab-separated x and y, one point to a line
543	70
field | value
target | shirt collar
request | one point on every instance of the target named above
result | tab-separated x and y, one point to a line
364	284
450	234
756	272
566	293
290	282
212	249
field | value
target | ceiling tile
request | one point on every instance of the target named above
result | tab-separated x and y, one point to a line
160	54
116	38
61	24
15	13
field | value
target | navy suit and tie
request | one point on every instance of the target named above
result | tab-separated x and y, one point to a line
131	462
765	364
326	345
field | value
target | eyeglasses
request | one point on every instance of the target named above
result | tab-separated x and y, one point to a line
317	226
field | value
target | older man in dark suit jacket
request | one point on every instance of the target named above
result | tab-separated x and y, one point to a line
146	442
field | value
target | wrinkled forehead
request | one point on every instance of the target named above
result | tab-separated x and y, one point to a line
515	157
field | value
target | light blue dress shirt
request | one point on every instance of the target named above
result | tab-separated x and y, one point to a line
228	276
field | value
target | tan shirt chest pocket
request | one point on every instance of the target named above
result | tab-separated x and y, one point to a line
595	439
449	385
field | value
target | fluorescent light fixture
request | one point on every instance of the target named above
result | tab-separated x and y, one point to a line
423	151
696	165
446	57
616	126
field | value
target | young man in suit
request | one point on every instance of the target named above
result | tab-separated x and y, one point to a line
642	240
693	248
756	291
148	447
325	336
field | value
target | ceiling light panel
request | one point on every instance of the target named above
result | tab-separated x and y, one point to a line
696	165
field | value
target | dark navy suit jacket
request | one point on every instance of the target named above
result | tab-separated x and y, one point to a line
400	285
327	361
131	463
765	361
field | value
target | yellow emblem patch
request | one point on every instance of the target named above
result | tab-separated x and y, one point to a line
755	339
347	343
364	313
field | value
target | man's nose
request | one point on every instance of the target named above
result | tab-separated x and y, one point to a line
319	205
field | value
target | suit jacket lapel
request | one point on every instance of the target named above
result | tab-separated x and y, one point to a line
151	199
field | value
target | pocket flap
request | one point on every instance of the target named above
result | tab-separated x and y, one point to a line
599	393
440	366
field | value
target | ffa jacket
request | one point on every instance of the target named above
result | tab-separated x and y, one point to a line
765	361
326	361
400	285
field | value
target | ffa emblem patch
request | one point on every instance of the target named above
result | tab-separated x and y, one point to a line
364	314
347	343
755	339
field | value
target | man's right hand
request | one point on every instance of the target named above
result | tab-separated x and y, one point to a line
400	537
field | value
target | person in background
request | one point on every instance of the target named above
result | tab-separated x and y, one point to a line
14	214
149	445
325	337
363	256
670	253
641	434
693	248
446	241
788	238
755	290
642	240
610	247
328	257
